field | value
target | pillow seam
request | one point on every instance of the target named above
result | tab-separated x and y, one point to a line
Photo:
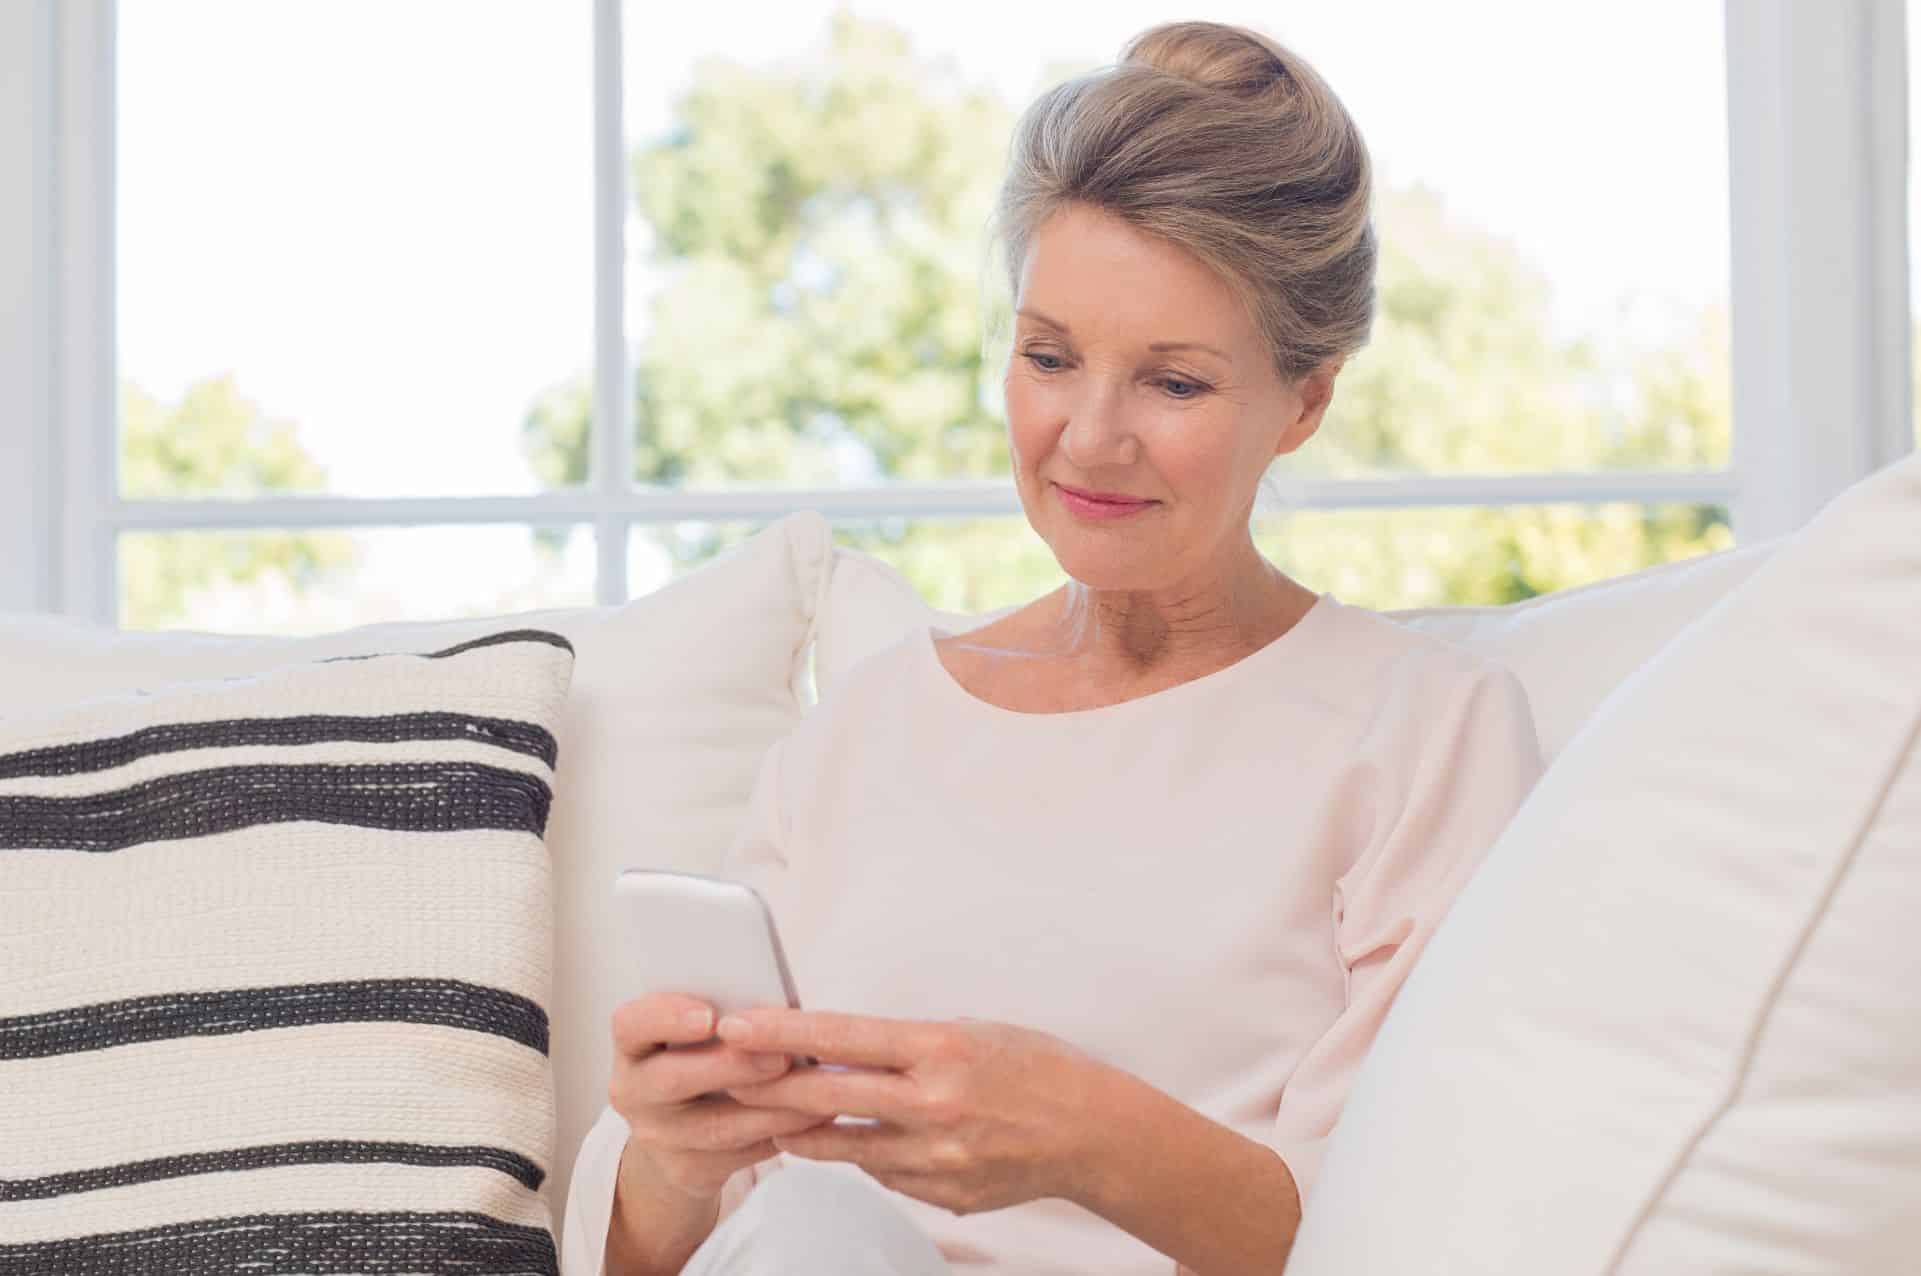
1764	1013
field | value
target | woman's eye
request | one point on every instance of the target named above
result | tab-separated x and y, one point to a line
1181	389
1035	357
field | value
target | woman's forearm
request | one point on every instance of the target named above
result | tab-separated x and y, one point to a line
653	1230
1217	1202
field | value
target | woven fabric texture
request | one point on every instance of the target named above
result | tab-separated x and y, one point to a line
275	966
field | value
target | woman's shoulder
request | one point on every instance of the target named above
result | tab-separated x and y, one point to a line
1381	637
1422	696
900	662
857	697
1380	652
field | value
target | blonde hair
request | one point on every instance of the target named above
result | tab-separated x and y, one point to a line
1221	141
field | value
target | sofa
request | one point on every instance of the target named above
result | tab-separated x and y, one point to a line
675	696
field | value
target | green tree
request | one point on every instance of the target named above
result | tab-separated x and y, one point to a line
821	229
216	443
1462	376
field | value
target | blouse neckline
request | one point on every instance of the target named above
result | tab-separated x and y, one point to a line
1316	615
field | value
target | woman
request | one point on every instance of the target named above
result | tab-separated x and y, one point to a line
1101	903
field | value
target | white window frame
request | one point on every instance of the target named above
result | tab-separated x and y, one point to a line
1817	109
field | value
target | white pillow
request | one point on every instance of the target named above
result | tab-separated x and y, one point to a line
1670	1025
675	697
276	967
1569	648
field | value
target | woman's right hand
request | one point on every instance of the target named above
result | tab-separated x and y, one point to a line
689	1144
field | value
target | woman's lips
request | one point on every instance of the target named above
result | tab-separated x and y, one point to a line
1086	507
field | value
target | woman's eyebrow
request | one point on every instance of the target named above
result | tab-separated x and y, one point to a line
1042	319
1158	347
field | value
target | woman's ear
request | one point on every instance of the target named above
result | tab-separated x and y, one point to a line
1314	392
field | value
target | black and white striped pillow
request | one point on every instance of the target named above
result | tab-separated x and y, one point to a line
275	957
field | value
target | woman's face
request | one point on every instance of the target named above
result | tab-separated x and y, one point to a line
1135	372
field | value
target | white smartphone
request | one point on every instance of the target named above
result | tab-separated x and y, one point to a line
704	936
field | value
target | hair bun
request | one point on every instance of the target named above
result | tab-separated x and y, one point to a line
1236	59
1227	144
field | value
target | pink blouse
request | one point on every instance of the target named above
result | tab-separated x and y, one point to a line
1218	887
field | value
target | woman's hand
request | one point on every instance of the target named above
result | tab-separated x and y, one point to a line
969	1115
689	1144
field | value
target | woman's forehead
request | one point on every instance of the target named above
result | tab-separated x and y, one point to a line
1090	276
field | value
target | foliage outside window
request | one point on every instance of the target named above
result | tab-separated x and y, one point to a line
817	232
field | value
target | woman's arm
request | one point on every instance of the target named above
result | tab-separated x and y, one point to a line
1217	1202
615	1224
654	1230
1222	1203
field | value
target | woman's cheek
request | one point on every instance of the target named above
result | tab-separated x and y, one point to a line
1027	427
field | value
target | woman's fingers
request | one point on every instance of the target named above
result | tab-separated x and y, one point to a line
686	1073
643	1025
889	1044
721	1125
877	1093
874	1145
647	1072
683	1129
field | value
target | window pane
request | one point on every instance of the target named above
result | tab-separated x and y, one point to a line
1382	559
657	553
806	263
355	245
967	565
957	564
299	581
1474	555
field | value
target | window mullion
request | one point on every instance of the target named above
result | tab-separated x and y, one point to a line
1817	166
29	228
611	433
1887	89
963	499
86	399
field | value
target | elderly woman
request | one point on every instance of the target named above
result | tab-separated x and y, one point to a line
1100	904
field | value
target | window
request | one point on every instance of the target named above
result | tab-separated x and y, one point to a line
334	284
627	283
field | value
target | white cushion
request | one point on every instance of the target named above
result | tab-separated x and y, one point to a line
675	698
1670	1024
870	605
1569	648
276	969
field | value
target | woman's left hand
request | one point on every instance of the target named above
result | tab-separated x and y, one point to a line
971	1115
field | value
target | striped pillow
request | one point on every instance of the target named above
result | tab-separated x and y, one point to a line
275	957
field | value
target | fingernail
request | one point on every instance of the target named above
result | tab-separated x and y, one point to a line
695	1020
733	1027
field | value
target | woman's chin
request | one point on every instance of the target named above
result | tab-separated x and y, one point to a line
1102	567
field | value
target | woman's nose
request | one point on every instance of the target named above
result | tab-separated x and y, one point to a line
1098	432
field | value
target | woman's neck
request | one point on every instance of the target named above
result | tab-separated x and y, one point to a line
1186	630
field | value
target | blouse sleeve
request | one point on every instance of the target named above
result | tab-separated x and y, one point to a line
590	1196
758	857
1462	783
755	856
